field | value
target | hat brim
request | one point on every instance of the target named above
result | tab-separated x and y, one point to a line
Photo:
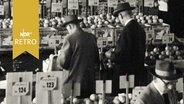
116	12
174	77
74	21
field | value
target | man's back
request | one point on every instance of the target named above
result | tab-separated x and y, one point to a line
130	47
82	59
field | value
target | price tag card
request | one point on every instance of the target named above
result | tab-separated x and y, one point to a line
73	4
168	39
148	3
159	32
54	42
57	7
122	80
106	33
93	2
102	42
49	83
19	84
110	34
179	85
108	86
20	88
1	9
112	3
149	35
49	87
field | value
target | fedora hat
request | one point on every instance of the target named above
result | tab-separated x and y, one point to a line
122	7
167	70
70	19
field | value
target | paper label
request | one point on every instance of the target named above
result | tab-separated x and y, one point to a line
20	88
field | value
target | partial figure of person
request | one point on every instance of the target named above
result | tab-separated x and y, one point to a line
129	52
162	90
79	58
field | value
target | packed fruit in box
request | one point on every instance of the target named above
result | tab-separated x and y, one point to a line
147	19
102	20
172	52
95	21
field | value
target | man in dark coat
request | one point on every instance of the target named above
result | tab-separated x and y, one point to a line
130	48
162	89
79	57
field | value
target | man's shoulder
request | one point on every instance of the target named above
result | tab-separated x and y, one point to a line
72	36
90	35
133	23
149	96
146	93
87	33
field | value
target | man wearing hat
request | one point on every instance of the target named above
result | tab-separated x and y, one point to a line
162	89
130	48
79	59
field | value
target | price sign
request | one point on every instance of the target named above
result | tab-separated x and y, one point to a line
1	9
20	88
93	2
48	86
122	80
168	39
102	42
73	4
57	7
148	3
112	3
108	86
179	85
49	83
149	36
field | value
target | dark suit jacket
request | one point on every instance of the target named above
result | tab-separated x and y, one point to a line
150	96
130	48
79	58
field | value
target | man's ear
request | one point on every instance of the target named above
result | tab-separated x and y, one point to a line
70	27
121	15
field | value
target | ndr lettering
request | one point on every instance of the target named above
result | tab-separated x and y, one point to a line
25	41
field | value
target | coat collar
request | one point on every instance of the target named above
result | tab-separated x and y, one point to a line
132	21
128	21
156	94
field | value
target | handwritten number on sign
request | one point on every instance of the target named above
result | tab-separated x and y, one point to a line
22	89
50	84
